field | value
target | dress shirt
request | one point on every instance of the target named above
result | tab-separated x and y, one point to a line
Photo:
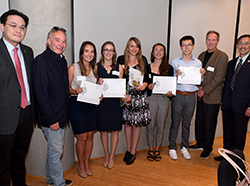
20	55
243	60
176	63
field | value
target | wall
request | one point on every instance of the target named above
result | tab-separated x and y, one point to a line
4	7
114	20
99	21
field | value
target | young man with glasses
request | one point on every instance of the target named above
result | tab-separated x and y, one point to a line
16	103
183	103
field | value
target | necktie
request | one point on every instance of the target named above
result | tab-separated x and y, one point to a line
24	101
232	83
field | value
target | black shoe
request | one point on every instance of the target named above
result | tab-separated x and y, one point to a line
205	154
67	182
131	159
195	147
126	157
218	158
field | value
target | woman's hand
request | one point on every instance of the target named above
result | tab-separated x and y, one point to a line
101	97
78	90
127	99
141	87
101	81
151	86
169	94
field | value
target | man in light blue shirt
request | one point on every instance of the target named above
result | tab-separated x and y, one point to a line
183	103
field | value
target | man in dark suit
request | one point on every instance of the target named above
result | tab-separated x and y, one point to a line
51	90
236	98
16	118
209	94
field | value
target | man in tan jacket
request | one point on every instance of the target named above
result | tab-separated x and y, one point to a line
209	94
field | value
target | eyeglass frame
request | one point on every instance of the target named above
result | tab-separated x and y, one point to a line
14	26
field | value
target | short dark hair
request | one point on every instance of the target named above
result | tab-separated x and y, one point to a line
5	15
244	35
213	32
188	37
56	29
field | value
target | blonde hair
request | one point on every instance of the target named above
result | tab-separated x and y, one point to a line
138	55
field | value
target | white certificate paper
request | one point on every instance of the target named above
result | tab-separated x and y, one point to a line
189	75
114	88
135	75
163	84
90	93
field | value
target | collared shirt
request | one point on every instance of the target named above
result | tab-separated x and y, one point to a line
179	61
243	60
10	48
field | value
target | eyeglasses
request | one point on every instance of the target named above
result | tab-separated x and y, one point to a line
157	49
241	44
14	27
107	50
188	45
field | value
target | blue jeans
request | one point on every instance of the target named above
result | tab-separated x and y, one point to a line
54	169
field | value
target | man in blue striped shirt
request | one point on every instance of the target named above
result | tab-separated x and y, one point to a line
183	103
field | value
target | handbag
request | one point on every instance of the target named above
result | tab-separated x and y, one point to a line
246	172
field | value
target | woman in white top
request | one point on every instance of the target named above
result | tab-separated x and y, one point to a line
83	116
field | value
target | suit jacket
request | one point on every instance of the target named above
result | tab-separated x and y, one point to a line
240	97
51	88
10	90
213	79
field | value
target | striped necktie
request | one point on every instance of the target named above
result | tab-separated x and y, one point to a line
232	83
24	101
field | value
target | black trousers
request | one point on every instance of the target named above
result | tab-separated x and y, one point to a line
234	128
13	149
205	124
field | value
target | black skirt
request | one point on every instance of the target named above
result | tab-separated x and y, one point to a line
83	116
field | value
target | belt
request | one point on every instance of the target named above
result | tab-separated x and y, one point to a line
185	93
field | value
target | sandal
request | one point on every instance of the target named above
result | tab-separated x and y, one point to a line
158	156
150	157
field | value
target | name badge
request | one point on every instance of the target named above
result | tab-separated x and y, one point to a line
116	73
211	69
81	78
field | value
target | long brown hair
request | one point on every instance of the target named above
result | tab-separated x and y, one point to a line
138	55
93	61
113	65
163	68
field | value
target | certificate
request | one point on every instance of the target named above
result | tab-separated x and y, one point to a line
163	84
90	93
114	88
189	75
135	77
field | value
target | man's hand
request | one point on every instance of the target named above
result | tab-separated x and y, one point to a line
55	126
200	92
202	71
247	113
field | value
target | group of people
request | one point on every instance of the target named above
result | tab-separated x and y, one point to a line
53	87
